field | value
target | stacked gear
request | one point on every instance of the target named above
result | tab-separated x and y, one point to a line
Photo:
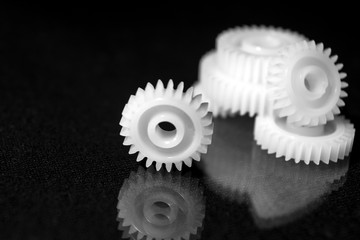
306	89
234	76
294	86
166	125
160	205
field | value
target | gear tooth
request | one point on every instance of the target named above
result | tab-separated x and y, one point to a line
159	89
148	162
196	156
140	157
206	141
158	166
312	45
343	94
327	52
196	101
178	165
330	116
344	84
207	119
334	153
127	141
320	47
307	154
336	110
343	75
170	85
188	162
208	130
334	58
168	166
126	111
125	131
322	120
133	149
339	66
202	149
203	109
149	88
188	96
124	122
340	103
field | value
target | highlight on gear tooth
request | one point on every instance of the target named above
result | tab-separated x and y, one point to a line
306	84
186	115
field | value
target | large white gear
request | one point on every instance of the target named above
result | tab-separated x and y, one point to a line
188	114
154	205
323	143
229	95
246	52
306	84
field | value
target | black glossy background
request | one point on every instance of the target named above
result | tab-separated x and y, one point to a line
64	79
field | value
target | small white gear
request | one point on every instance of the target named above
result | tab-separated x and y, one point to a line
231	96
245	52
156	205
188	115
323	143
306	84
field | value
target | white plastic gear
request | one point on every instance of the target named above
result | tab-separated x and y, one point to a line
187	113
229	95
154	205
306	85
323	143
246	52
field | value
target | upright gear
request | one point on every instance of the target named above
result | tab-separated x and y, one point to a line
160	206
322	143
245	52
231	96
306	85
189	119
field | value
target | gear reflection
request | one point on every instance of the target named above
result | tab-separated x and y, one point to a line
160	205
278	191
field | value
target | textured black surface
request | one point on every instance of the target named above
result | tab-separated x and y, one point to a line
64	79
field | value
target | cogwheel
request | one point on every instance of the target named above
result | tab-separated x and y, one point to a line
306	84
322	143
189	125
245	52
158	205
229	95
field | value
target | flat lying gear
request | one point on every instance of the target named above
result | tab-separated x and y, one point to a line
306	84
157	205
323	143
189	124
245	52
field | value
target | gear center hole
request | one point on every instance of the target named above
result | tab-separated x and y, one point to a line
316	83
166	131
162	212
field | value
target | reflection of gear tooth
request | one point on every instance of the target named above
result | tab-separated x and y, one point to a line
330	142
321	79
162	104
